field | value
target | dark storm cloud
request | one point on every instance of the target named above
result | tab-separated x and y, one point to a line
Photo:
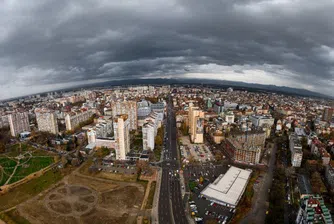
66	42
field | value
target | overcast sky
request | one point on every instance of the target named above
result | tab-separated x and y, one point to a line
47	45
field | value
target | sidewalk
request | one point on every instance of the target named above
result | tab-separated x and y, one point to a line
183	192
155	207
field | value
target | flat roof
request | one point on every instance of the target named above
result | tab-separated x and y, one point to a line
228	188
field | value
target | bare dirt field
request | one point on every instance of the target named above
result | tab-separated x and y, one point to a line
85	199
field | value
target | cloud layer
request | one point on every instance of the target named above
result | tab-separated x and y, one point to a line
52	44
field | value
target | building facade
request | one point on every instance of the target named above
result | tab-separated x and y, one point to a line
296	150
246	147
260	121
18	122
73	119
148	136
328	114
196	124
126	107
47	121
330	174
122	136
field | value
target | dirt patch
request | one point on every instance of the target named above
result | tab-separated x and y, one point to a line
123	198
88	199
100	216
61	206
99	186
55	197
84	199
79	191
79	207
62	191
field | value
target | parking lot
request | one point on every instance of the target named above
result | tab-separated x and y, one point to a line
197	178
198	152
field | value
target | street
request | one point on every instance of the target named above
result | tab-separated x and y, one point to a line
171	208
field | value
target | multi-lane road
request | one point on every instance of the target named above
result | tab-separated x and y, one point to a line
171	208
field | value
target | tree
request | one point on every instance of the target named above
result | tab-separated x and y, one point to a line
303	141
143	166
318	186
2	147
158	140
64	160
184	128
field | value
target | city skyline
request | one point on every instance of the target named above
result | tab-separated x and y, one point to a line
49	45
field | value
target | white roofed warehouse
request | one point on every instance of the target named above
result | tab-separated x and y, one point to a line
228	189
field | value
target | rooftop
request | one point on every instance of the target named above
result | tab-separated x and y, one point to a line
228	188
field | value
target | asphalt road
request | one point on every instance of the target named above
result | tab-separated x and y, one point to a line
259	208
171	208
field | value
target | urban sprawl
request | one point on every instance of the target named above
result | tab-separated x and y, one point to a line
166	154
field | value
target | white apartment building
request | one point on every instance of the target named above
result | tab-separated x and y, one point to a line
148	136
102	130
73	119
18	122
260	121
122	136
126	107
229	117
296	150
47	121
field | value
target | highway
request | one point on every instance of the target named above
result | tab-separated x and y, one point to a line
171	208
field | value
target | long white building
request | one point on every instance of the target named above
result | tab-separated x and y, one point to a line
73	119
148	136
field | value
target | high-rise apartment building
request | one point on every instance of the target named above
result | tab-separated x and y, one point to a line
328	114
126	107
196	124
47	120
18	122
4	121
148	136
122	136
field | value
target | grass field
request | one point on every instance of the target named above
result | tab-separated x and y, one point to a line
32	161
8	167
13	216
29	189
150	198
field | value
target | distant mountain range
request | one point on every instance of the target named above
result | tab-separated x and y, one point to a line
253	87
220	84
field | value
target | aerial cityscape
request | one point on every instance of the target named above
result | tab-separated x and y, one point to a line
166	112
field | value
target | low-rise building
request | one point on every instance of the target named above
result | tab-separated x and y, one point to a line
228	188
261	120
